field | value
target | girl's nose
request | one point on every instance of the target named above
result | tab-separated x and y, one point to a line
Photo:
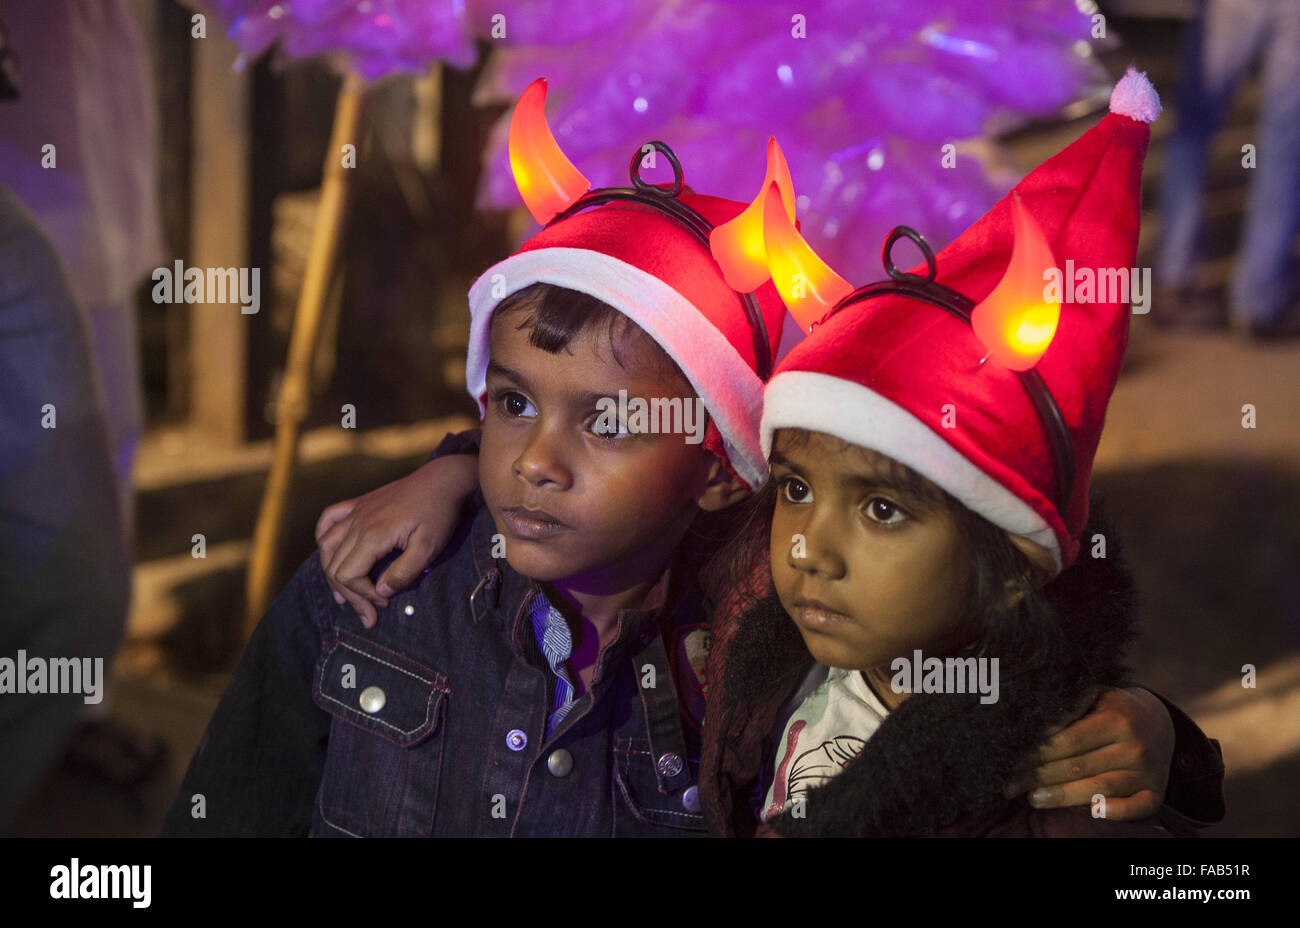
814	550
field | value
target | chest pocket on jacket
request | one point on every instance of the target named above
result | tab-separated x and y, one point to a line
385	748
638	787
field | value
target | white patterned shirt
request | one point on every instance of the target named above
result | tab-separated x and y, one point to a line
827	729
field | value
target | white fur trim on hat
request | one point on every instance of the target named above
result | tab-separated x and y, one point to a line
822	403
1135	97
732	392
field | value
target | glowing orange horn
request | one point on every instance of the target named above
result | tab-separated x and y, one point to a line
1016	322
806	283
737	245
547	180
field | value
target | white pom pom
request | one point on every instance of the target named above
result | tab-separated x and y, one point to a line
1134	97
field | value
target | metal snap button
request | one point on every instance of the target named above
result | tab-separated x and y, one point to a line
373	699
560	763
670	764
409	610
691	799
516	740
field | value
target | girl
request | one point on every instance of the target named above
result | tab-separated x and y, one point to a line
892	571
906	645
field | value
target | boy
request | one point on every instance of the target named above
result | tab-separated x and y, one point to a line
522	686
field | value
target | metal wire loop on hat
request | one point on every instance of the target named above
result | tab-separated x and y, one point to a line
921	243
666	201
928	290
638	159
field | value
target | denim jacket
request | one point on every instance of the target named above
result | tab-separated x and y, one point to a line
432	723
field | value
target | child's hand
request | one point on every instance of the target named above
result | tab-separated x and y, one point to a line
1120	749
416	514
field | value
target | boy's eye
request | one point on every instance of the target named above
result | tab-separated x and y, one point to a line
517	405
606	426
883	511
795	490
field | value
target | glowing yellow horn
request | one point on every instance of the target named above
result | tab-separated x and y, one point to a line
737	245
1016	322
547	180
806	283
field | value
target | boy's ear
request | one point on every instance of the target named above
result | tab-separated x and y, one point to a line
722	490
1039	571
1040	559
1015	591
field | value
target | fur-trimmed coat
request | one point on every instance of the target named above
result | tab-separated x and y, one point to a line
937	763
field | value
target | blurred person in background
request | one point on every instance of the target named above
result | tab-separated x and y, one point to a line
1220	46
79	228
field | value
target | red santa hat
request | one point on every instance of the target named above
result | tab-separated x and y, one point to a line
919	384
649	267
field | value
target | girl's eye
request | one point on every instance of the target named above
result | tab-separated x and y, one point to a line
517	405
795	490
883	511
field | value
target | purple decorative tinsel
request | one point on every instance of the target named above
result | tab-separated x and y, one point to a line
862	96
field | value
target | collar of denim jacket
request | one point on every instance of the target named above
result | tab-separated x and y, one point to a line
505	595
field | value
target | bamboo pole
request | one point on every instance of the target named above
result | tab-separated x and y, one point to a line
295	389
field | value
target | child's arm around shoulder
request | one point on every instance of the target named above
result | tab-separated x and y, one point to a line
258	767
416	513
1140	751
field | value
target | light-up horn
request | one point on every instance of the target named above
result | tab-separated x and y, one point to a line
808	286
1016	322
547	180
737	245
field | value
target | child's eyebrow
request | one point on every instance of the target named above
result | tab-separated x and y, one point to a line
585	399
880	482
591	397
870	480
495	368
